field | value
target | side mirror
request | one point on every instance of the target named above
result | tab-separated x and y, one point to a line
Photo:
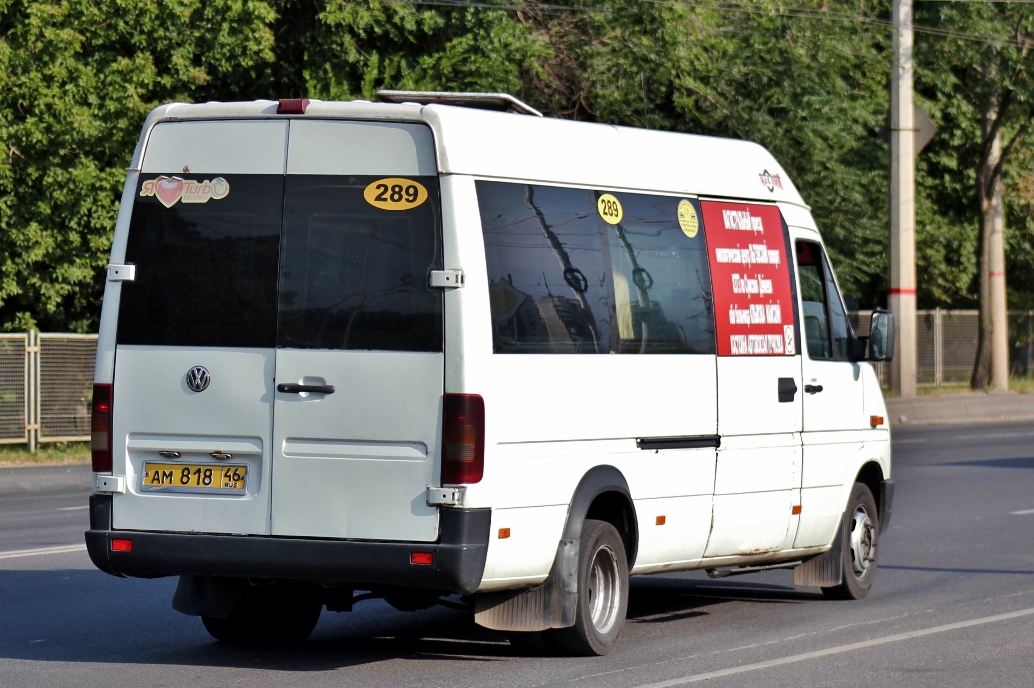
881	337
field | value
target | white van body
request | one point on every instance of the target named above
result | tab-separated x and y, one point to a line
706	462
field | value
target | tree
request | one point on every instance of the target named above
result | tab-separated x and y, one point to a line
77	79
982	68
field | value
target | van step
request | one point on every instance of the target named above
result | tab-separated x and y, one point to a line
740	570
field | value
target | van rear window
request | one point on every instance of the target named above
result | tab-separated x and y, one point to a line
355	276
302	261
206	262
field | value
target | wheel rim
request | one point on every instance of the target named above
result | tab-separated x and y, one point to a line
604	590
863	542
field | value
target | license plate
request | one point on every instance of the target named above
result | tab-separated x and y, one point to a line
194	477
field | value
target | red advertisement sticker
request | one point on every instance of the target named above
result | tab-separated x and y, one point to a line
751	279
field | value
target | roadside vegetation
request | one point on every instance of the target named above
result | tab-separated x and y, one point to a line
808	79
52	454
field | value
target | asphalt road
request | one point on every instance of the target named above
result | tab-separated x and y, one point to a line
953	604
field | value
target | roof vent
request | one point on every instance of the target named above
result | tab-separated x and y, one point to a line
500	102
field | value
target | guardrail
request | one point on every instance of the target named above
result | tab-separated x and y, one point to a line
46	382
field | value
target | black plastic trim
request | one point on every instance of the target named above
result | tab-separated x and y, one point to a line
886	502
597	481
686	442
100	512
459	556
787	389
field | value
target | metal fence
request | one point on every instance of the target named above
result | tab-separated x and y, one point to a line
946	343
46	382
46	379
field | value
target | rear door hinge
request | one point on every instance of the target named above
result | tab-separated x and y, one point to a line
447	279
445	496
121	272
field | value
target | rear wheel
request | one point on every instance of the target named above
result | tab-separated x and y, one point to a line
275	614
859	547
602	592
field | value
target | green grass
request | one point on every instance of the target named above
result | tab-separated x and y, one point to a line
48	454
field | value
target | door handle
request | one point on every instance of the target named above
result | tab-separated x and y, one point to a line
294	388
812	389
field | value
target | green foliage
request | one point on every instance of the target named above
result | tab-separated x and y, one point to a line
77	79
808	81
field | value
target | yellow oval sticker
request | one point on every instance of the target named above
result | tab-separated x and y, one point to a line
610	209
688	220
395	193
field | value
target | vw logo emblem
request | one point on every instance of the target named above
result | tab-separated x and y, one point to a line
198	378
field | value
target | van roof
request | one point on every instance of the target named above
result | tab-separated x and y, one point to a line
504	145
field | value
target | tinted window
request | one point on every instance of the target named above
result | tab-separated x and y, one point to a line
354	276
662	285
546	266
813	296
561	280
838	318
206	271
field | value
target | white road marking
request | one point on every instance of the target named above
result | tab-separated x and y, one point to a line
1025	512
907	441
838	649
62	549
74	508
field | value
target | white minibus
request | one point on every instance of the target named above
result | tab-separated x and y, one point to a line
442	349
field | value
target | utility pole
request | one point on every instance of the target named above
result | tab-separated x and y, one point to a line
902	298
996	277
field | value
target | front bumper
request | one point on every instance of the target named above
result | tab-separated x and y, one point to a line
458	558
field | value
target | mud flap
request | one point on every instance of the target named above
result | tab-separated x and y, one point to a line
827	569
550	605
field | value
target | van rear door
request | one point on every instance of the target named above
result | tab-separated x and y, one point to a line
359	362
204	237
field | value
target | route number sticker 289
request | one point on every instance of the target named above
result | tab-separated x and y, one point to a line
610	209
395	193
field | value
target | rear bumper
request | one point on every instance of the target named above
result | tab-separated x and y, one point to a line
458	558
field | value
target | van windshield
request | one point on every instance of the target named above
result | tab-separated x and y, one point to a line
302	261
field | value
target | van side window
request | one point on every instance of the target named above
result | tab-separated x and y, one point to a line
813	296
823	309
563	280
546	268
206	272
662	283
837	316
354	276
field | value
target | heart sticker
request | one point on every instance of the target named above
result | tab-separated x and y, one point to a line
168	190
173	190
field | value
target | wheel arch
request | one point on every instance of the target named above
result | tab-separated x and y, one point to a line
602	494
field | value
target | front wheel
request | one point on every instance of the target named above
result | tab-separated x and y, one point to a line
859	547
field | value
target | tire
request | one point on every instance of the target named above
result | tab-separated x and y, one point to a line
859	547
276	614
602	593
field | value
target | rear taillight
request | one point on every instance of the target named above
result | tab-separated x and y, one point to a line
463	439
100	429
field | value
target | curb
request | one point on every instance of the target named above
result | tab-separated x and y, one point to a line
961	408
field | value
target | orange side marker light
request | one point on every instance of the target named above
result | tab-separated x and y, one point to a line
661	520
504	533
875	421
796	509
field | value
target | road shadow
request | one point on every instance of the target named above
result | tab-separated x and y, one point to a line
87	616
1019	462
